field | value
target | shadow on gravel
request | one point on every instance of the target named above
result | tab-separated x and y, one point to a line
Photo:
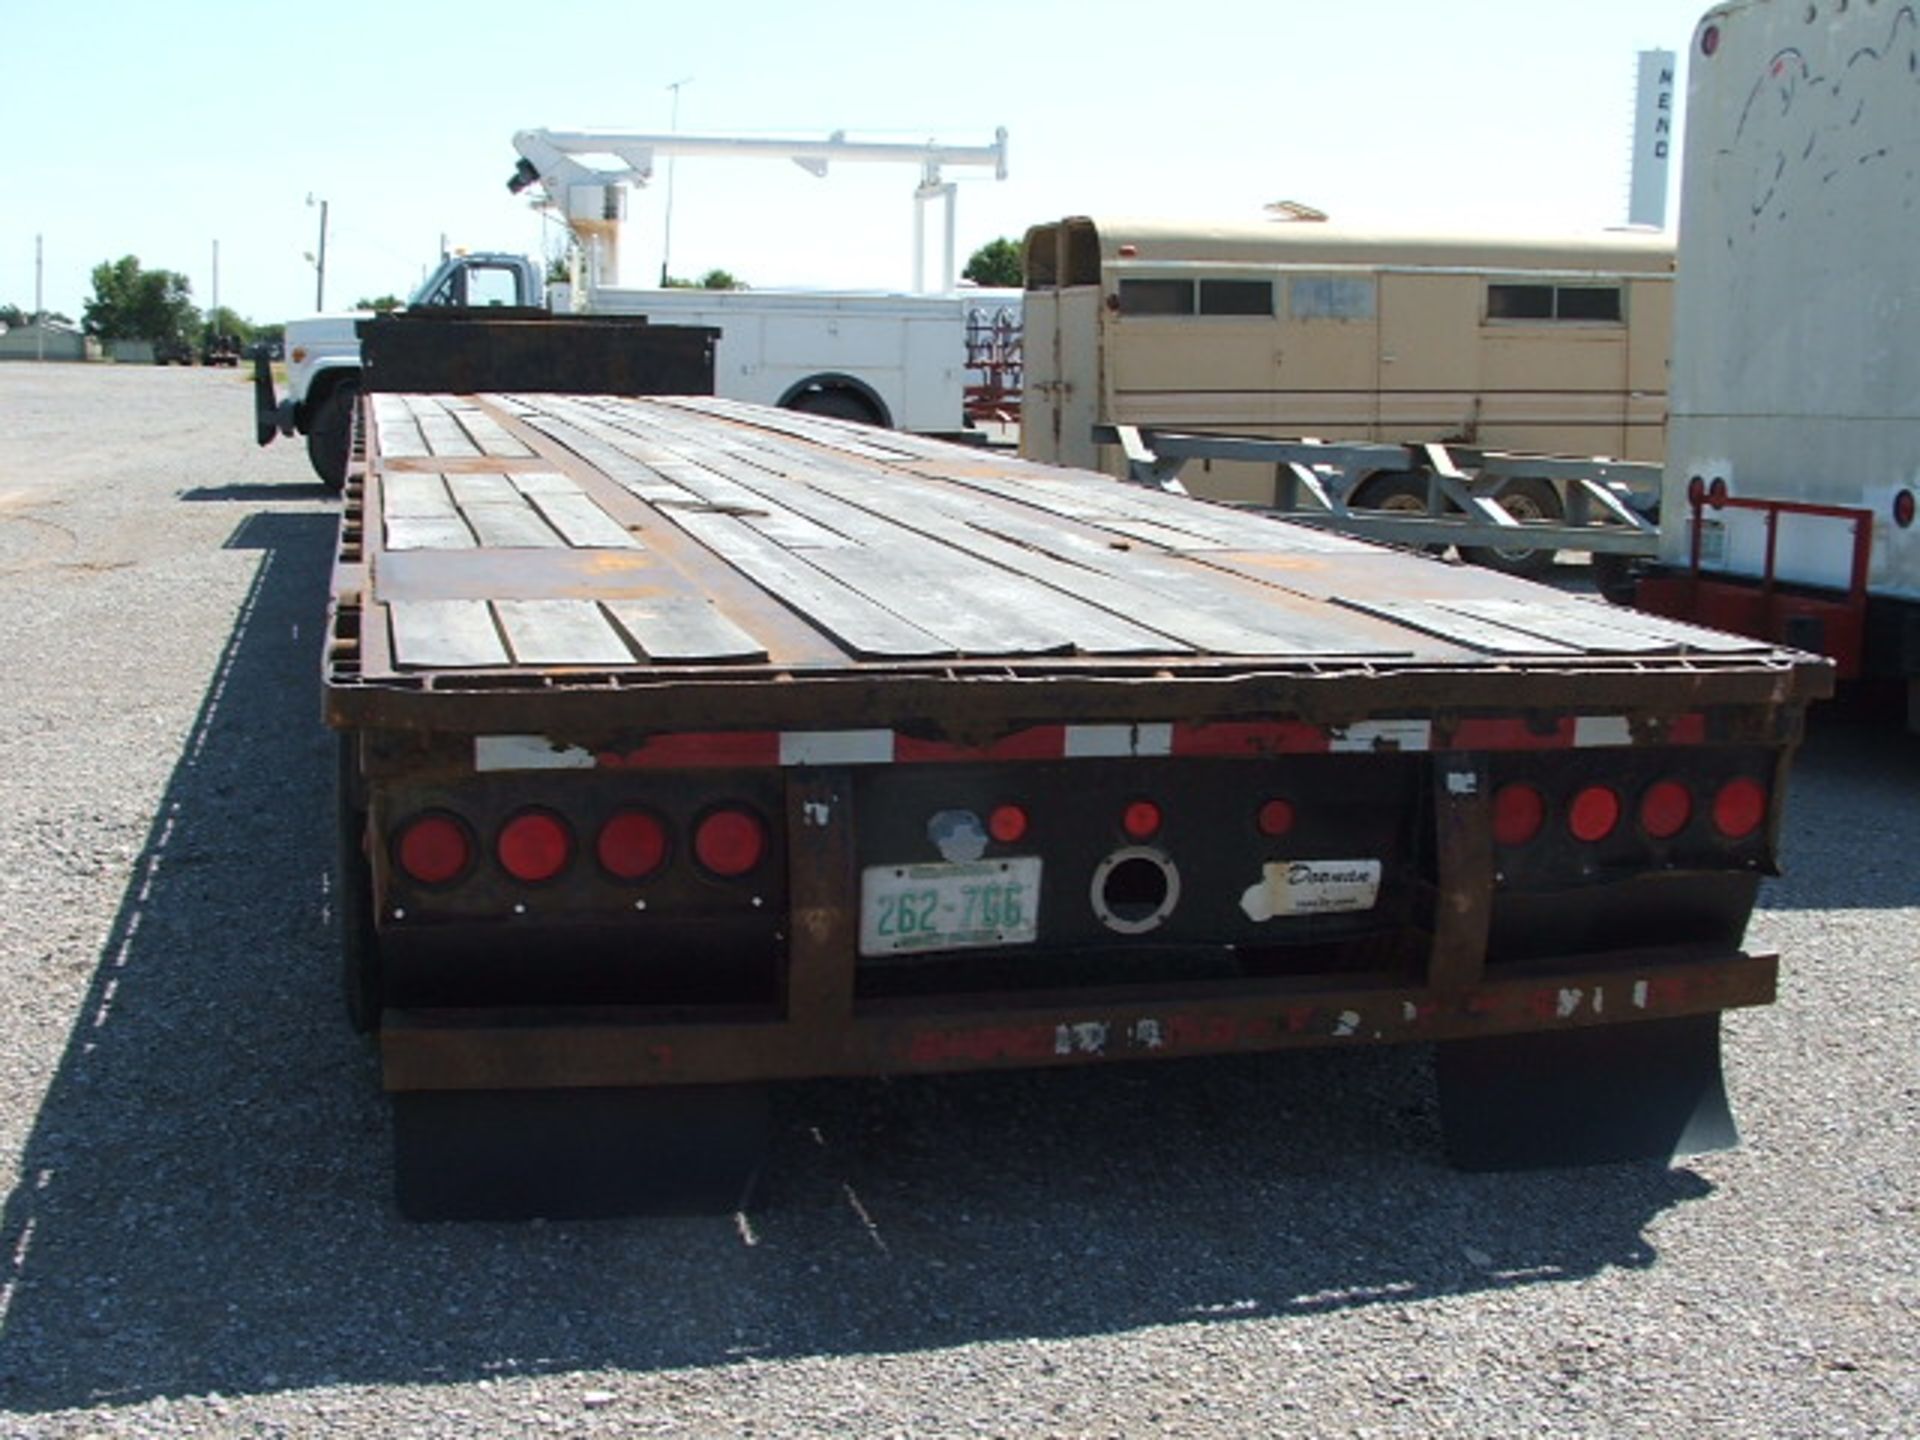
260	494
1851	833
205	1196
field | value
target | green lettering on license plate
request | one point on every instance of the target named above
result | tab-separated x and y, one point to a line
919	908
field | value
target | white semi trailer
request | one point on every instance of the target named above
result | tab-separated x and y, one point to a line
1794	440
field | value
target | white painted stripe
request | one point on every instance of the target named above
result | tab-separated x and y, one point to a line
1381	734
836	747
527	752
1107	742
1602	730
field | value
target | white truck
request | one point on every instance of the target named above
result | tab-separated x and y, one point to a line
1793	455
893	359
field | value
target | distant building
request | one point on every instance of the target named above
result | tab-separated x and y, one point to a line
31	342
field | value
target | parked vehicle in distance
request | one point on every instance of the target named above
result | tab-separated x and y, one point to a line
1296	329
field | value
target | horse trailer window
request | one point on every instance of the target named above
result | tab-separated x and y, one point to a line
1587	302
1327	297
1156	297
1553	302
1519	302
1236	297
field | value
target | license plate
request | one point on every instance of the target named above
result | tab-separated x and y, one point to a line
913	908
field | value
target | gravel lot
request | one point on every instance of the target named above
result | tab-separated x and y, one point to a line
198	1240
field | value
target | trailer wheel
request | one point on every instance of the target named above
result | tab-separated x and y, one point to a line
1524	499
330	441
360	981
1398	490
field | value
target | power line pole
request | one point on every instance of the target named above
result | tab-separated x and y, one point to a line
666	244
39	306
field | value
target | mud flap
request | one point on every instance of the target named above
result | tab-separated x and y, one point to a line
1646	1091
266	408
574	1154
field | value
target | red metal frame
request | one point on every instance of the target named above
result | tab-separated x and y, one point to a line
1762	608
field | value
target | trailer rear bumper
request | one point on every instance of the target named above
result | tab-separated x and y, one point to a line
606	1047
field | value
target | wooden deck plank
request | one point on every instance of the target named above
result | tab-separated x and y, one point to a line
420	496
1572	622
445	634
862	627
561	632
514	525
1436	619
585	525
482	489
688	630
428	532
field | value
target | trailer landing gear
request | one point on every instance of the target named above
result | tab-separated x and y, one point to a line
1647	1091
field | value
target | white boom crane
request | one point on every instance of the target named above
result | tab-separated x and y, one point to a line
593	201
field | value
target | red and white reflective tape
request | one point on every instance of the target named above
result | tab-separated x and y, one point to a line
1242	739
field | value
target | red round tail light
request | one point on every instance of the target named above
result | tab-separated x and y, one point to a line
1665	809
1739	808
730	842
1903	509
633	844
535	845
1276	818
1007	824
433	849
1594	813
1518	813
1141	820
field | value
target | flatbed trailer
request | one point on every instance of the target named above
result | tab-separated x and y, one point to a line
690	745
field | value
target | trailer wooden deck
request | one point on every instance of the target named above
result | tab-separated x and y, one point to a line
587	531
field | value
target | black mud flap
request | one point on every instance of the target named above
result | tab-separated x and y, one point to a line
1646	1091
266	406
575	1154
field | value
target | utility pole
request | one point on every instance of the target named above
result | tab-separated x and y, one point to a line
39	307
213	313
320	259
666	244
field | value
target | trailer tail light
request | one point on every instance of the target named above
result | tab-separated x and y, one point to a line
433	849
1594	813
1008	824
1739	808
1276	818
632	845
1665	809
729	842
535	845
1141	820
1519	811
1903	506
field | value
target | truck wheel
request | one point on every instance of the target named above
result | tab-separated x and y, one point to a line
1523	499
360	982
835	404
330	441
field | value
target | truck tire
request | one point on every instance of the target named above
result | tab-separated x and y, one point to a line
330	440
1524	499
835	405
360	979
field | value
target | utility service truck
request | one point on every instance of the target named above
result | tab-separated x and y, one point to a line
1794	447
690	745
894	359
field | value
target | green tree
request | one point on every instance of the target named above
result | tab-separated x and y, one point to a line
130	303
996	263
712	280
13	317
380	304
227	322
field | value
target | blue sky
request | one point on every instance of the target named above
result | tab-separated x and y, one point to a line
159	130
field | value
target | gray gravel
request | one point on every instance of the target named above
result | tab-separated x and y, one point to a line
198	1239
